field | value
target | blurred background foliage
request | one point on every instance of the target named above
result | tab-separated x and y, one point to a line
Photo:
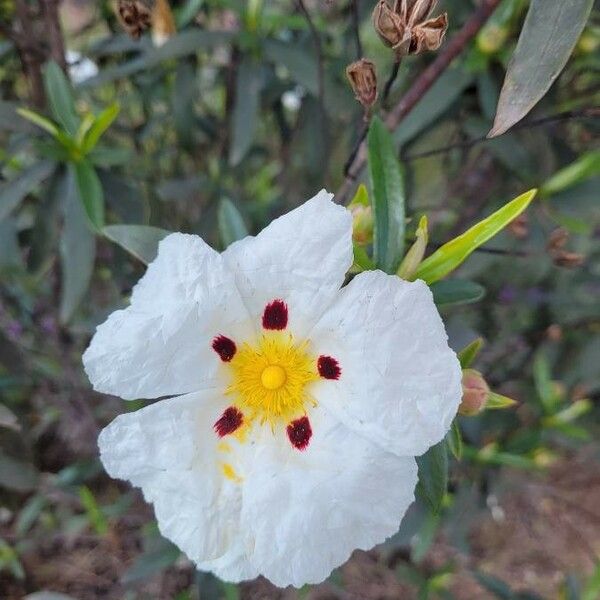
241	115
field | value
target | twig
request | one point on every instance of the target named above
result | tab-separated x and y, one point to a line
390	82
54	32
356	28
584	113
30	58
421	85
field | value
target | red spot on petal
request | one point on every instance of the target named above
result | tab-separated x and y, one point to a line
229	421
299	432
224	347
275	315
328	367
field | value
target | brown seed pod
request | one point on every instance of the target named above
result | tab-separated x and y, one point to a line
135	16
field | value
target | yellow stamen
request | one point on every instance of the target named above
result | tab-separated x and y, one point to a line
269	379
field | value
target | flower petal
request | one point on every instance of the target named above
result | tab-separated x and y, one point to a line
400	382
170	450
161	344
300	258
305	512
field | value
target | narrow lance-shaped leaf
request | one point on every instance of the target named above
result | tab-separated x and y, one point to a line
102	122
60	98
452	254
12	192
456	291
388	197
77	251
469	353
90	192
549	34
584	167
245	111
140	241
231	223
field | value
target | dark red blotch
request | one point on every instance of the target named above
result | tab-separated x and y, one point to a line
299	432
328	367
224	347
275	315
229	421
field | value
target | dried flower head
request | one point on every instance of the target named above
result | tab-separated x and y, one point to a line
407	27
363	79
135	16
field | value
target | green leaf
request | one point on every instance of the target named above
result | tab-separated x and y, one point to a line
139	240
469	353
452	254
12	192
77	252
301	65
543	383
583	168
231	224
549	34
494	585
90	192
60	98
361	197
498	401
387	184
454	440
456	291
39	120
102	122
245	111
230	591
94	514
16	474
361	259
433	475
151	562
184	43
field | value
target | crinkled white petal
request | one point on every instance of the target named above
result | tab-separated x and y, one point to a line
169	450
301	257
161	344
305	512
400	382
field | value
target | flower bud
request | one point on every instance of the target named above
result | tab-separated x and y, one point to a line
163	23
363	79
388	24
475	393
362	224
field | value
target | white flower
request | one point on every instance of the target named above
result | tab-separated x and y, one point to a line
298	407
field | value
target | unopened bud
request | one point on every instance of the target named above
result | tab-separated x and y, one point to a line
363	79
519	227
362	217
475	393
557	240
568	260
362	224
415	253
163	23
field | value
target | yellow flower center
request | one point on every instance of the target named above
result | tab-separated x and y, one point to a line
269	379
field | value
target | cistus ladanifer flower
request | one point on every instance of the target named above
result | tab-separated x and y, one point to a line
297	405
